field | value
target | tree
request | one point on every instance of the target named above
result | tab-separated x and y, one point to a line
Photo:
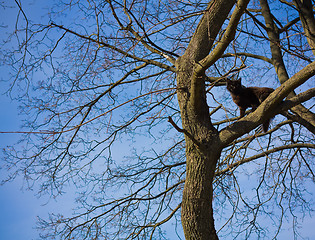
92	76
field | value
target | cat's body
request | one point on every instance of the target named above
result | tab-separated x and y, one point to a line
245	97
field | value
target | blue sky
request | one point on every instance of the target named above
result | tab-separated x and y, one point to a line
19	209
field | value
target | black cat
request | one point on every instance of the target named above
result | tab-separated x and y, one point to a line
245	97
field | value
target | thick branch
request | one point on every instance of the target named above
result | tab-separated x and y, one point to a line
278	63
302	97
208	29
289	24
226	39
308	21
198	48
268	108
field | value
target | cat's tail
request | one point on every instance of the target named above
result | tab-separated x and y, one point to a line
265	125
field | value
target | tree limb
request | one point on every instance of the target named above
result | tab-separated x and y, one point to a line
228	36
267	109
264	154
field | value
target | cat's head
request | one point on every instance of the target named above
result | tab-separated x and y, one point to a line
233	85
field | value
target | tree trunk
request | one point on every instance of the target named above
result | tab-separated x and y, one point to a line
202	153
202	144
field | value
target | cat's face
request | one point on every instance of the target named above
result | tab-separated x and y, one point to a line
233	85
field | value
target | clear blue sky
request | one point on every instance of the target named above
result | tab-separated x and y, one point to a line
19	209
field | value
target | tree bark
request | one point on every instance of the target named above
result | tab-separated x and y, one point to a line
304	116
306	13
203	151
203	142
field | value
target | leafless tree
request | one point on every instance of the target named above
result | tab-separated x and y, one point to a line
125	102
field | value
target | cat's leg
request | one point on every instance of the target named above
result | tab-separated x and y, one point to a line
266	125
242	112
254	107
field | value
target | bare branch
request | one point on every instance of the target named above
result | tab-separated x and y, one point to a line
265	110
264	154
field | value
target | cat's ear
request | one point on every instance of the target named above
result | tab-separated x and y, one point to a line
233	76
239	80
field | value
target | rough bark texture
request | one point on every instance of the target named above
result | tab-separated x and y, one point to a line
197	213
304	116
305	9
267	109
203	142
